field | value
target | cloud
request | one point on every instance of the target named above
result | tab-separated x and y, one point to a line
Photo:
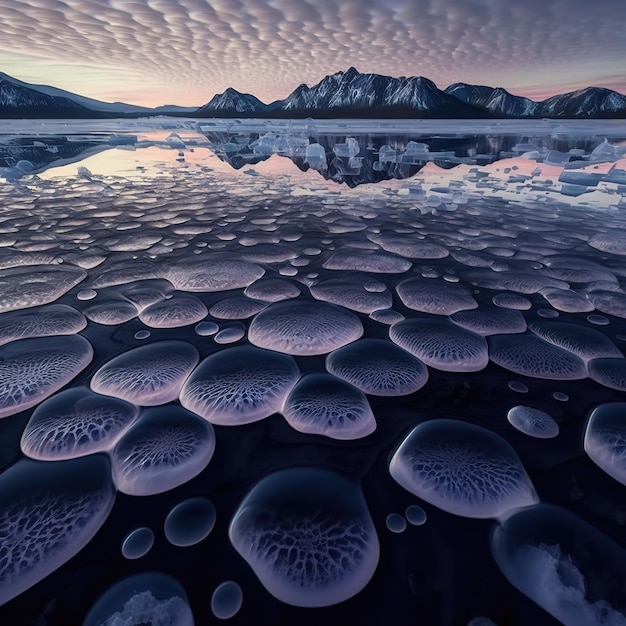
195	48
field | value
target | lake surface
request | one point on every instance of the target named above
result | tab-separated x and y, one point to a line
364	370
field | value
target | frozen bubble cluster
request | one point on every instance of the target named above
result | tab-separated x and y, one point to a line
605	439
149	598
33	369
378	368
533	422
304	328
240	385
48	513
463	469
308	536
76	422
148	375
321	404
165	448
563	564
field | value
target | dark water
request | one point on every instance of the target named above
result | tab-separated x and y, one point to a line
303	355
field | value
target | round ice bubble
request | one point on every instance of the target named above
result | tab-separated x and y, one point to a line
33	369
533	422
180	310
547	313
378	367
76	422
352	293
434	296
611	242
239	385
411	248
304	328
598	320
609	302
415	515
386	316
226	600
528	355
212	274
137	543
232	334
148	375
44	321
560	396
148	598
308	536
518	386
272	290
512	301
190	521
395	523
366	261
142	334
236	308
487	322
462	469
567	301
110	312
563	564
321	404
166	447
48	513
605	439
86	294
441	344
609	372
206	329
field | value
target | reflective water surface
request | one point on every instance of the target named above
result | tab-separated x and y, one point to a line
312	372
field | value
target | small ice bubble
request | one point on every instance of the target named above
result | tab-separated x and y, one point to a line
395	523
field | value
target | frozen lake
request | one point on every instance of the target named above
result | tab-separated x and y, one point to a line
364	370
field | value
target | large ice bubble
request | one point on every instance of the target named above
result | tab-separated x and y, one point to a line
304	328
605	439
441	344
487	322
213	274
565	565
351	259
354	293
165	448
48	513
33	369
272	290
174	312
240	385
236	308
308	536
609	372
429	295
463	469
321	404
151	598
378	367
76	422
148	375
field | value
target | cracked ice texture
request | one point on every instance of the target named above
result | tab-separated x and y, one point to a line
149	375
76	422
165	448
48	513
33	369
240	385
304	328
462	469
308	536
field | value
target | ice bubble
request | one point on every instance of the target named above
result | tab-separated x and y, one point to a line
386	316
434	296
567	301
609	302
560	396
233	334
213	274
611	242
518	386
76	422
481	621
463	469
609	372
441	344
563	564
351	292
33	369
530	356
206	329
378	367
190	521
53	319
272	290
304	328
175	312
148	375
48	513
533	422
165	448
308	536
490	322
367	261
415	515
239	385
584	342
411	248
236	308
598	320
547	313
144	293
142	334
511	301
226	600
86	294
25	287
321	404
395	523
137	543
144	599
605	439
111	312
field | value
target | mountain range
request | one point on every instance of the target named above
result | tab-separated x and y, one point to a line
347	94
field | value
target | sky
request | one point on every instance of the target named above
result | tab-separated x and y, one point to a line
153	52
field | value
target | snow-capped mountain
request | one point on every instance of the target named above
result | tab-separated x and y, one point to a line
495	99
232	101
589	102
